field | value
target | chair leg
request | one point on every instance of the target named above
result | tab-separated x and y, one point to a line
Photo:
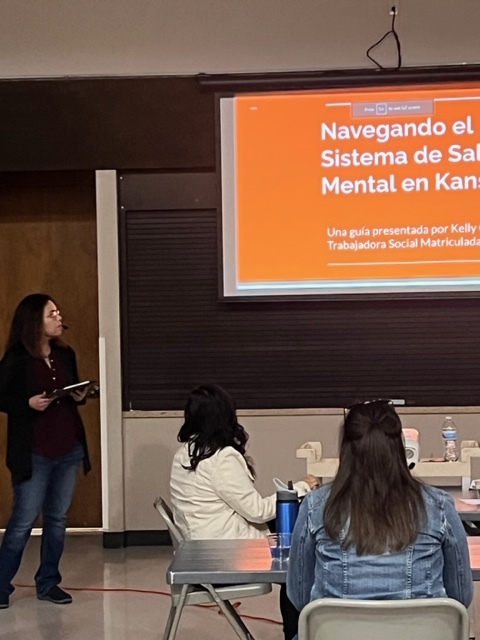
174	615
471	616
230	614
168	626
238	618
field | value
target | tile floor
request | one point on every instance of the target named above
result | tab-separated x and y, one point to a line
121	594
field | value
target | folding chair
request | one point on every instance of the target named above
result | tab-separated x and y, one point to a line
420	619
205	594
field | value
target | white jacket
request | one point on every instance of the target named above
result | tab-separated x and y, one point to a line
219	499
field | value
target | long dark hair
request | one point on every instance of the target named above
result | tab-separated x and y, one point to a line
27	323
211	424
375	504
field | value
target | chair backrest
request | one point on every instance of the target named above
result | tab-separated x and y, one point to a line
164	510
420	619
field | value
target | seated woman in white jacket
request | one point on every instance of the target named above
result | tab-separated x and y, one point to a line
212	480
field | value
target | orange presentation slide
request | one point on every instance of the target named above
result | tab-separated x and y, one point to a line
359	186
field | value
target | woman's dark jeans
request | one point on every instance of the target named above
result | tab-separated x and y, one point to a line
49	491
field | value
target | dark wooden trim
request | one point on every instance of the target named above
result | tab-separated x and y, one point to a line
106	123
186	190
329	78
121	539
156	123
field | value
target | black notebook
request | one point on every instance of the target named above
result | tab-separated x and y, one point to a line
64	391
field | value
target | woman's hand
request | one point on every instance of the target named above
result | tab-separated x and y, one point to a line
39	402
312	481
79	394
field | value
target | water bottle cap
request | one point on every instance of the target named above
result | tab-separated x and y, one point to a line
285	495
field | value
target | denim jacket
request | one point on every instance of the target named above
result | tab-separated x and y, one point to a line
436	565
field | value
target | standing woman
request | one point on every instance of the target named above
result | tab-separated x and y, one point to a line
45	443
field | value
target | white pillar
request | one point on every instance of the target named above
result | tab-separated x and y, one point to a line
109	353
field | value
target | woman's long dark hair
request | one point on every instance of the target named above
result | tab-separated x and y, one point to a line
375	504
27	323
211	424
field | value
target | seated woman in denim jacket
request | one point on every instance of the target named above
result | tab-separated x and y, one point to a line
376	532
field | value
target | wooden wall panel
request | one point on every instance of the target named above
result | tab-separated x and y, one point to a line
48	244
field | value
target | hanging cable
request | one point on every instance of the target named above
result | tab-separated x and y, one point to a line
393	33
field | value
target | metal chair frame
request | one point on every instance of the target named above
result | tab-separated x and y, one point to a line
185	595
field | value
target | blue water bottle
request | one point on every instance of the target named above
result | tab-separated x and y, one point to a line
287	509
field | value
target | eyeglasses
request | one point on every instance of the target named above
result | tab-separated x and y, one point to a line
347	410
54	313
